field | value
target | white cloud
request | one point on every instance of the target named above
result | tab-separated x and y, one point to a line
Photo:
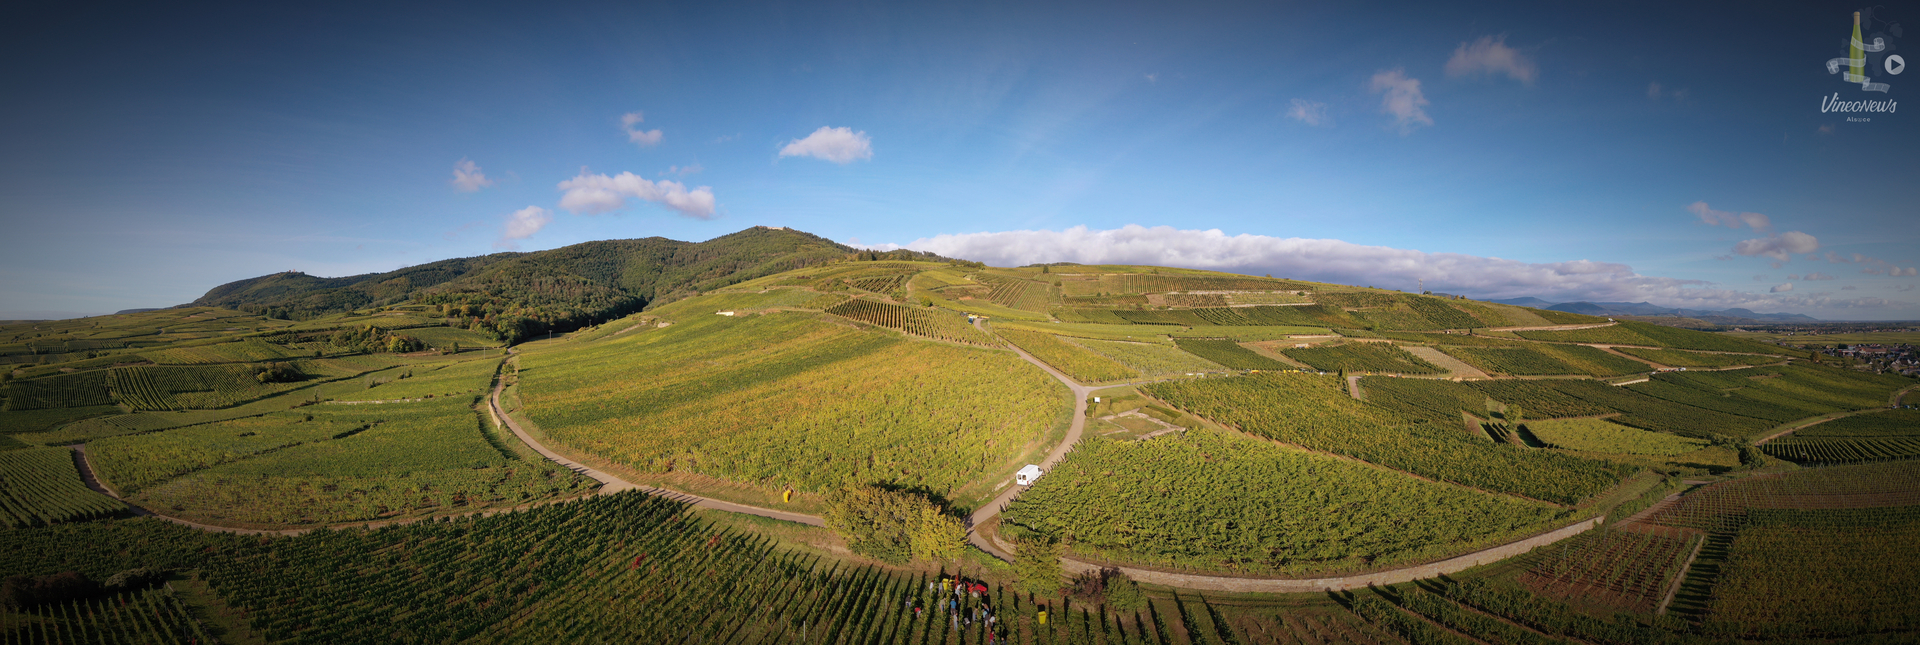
468	178
599	193
1653	90
1403	99
1712	217
1781	288
1343	262
1310	112
636	135
838	145
682	171
1492	56
1779	247
521	225
1818	276
1909	272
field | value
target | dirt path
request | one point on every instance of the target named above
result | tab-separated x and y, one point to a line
1555	327
1395	576
993	507
1892	400
1452	365
1353	387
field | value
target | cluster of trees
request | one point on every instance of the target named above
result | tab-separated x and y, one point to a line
894	525
24	592
278	373
373	340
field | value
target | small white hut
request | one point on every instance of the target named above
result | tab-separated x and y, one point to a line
1026	475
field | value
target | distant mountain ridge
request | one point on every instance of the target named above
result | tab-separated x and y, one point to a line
1722	316
519	294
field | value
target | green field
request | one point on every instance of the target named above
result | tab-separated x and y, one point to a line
1598	435
1315	413
788	399
1218	501
350	463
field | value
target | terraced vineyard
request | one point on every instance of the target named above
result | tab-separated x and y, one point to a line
1016	293
75	390
1313	412
787	399
1362	357
1229	353
1148	358
241	351
1873	436
135	388
1081	364
42	486
1724	506
919	321
345	464
1626	569
1826	573
149	616
624	567
1108	493
1683	358
1542	359
1596	435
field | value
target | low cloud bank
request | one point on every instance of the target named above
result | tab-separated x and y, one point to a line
1342	262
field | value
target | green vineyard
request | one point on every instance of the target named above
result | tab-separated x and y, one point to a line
1229	354
43	486
154	616
919	321
1362	357
1081	364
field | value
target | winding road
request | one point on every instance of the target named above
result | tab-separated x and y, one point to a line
610	483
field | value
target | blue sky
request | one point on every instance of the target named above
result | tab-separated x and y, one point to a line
1558	150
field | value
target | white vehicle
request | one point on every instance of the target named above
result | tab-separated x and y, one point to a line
1026	475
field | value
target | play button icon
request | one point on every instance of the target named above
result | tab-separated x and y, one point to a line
1896	64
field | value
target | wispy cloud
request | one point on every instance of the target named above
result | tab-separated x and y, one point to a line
1491	55
467	176
1653	90
1779	247
1310	112
1781	288
1403	99
522	224
682	171
1341	262
1818	277
1712	217
838	145
630	122
600	193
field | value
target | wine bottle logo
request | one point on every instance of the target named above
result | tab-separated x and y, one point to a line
1855	63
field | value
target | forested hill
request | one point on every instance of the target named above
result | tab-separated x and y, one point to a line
519	294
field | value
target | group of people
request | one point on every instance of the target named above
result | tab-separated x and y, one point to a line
965	602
